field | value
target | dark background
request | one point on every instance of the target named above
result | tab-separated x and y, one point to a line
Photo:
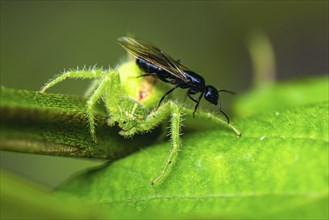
42	38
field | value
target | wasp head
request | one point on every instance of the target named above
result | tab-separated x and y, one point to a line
211	94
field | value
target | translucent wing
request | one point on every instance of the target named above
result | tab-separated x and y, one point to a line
153	55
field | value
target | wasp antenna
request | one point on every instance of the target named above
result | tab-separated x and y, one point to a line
227	91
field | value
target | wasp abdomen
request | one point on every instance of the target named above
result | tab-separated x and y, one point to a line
148	67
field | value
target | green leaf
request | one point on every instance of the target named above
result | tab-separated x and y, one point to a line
283	95
55	124
278	168
21	199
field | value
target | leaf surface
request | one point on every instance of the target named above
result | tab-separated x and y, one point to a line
278	168
55	124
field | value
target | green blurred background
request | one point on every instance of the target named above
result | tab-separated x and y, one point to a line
40	39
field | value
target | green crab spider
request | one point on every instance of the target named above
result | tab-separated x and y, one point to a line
131	102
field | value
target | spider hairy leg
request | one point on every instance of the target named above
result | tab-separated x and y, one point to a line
155	118
97	93
74	74
91	88
215	119
175	139
109	84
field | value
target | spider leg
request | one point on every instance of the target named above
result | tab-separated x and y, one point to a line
74	74
91	88
96	95
155	118
151	121
175	139
212	117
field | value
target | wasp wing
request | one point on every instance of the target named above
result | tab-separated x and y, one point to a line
153	55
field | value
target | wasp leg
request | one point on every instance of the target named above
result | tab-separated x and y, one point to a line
167	93
191	97
197	104
146	74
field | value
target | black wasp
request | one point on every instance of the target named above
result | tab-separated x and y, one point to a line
155	62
